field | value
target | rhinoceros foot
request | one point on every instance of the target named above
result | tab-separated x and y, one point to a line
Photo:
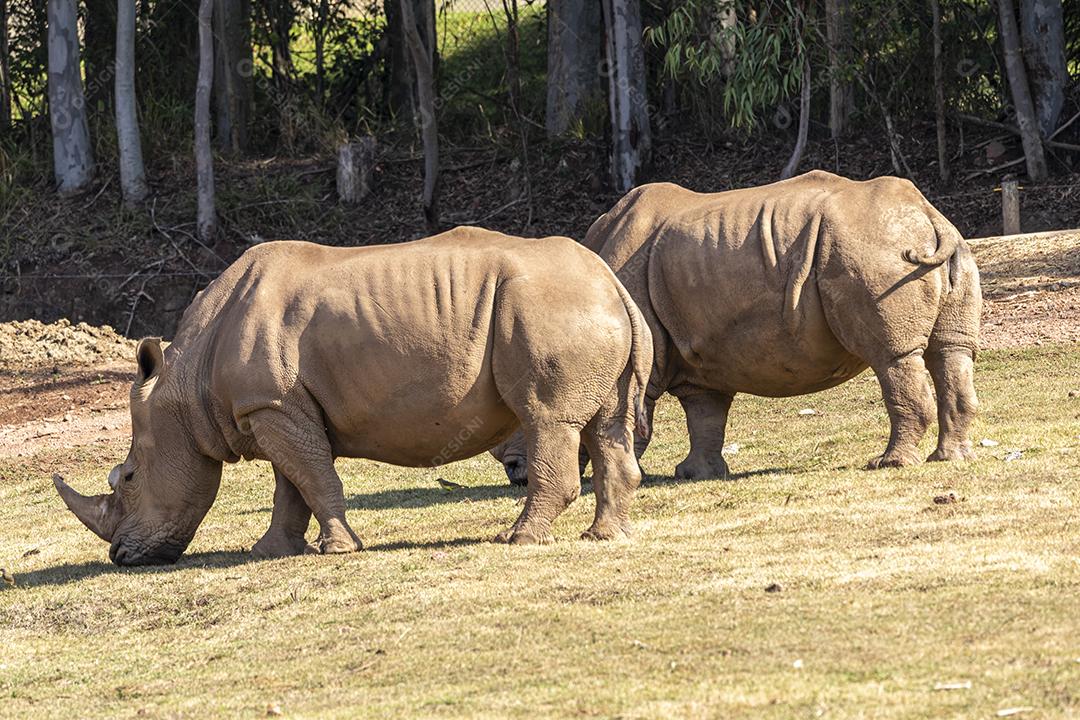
513	536
893	459
957	454
278	545
701	468
599	533
335	539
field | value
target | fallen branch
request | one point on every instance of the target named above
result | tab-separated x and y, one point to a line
1067	124
1015	131
994	169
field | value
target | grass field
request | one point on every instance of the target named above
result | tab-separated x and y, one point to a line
804	587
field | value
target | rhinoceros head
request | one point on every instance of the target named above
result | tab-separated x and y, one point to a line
512	454
165	486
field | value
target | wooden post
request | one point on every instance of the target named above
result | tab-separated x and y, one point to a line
355	169
1010	207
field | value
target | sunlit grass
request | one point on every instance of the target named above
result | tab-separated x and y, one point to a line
882	592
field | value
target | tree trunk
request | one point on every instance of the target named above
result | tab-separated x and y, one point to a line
5	70
233	65
726	19
402	96
804	124
204	158
321	19
132	173
836	20
422	51
575	35
99	37
1021	94
281	14
627	99
1042	26
73	159
939	96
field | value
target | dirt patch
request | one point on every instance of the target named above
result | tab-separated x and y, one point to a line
66	408
1031	289
31	343
1032	317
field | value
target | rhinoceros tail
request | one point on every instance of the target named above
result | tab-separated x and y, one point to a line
948	241
641	357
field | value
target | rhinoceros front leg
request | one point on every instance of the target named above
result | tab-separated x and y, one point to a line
706	420
910	402
288	521
302	452
554	482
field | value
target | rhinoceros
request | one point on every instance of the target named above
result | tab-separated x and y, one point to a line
792	288
415	354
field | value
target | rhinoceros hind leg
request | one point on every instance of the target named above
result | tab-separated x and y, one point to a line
554	482
952	369
616	476
706	420
304	455
288	522
910	402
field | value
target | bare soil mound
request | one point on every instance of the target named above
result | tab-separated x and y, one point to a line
1031	289
30	343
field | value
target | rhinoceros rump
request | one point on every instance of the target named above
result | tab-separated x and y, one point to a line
415	354
792	288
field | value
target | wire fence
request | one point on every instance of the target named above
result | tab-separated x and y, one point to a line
459	20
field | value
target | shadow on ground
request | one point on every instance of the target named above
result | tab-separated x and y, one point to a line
417	497
426	496
650	480
74	572
428	544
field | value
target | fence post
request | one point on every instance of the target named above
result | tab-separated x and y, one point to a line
1010	207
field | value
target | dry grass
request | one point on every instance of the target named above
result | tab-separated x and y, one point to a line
883	592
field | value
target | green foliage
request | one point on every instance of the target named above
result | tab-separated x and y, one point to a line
754	50
28	59
472	83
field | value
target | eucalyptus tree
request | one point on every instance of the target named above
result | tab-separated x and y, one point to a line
574	51
624	56
73	158
132	172
204	158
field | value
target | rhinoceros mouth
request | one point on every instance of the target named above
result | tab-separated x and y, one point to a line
128	554
517	470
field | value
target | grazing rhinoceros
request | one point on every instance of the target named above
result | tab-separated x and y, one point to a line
415	354
792	288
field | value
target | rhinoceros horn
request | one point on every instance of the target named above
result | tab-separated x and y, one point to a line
95	512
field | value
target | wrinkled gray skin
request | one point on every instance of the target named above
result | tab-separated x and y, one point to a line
416	354
792	288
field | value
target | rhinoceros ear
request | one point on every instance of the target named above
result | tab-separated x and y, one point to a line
150	358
